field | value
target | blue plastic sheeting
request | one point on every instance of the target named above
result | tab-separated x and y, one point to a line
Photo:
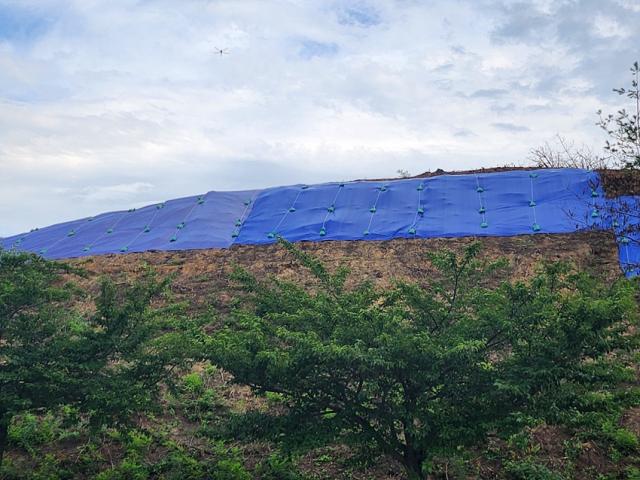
497	204
624	218
207	221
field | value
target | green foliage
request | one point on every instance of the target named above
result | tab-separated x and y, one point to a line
176	463
231	469
29	431
107	363
624	439
197	397
278	467
131	468
529	469
421	373
193	383
633	473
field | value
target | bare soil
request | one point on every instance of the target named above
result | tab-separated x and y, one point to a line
202	276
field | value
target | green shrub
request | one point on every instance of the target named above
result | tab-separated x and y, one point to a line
30	431
422	372
177	465
624	439
193	383
131	468
528	469
108	363
633	473
230	469
278	467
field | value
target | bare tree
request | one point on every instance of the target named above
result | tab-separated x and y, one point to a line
562	153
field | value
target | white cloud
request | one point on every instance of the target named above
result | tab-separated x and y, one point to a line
607	27
106	192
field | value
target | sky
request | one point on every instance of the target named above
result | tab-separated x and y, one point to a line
112	104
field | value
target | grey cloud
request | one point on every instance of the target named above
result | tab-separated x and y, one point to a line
522	21
601	37
464	132
503	107
489	93
510	127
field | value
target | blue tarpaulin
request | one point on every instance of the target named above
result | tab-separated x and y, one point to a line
499	204
625	221
205	221
517	202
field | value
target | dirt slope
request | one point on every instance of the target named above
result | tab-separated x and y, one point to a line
202	275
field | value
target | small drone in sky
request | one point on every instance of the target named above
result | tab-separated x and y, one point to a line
221	51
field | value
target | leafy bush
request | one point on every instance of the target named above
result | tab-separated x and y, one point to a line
29	431
108	363
278	467
530	470
424	372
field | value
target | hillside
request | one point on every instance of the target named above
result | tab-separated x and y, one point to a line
191	416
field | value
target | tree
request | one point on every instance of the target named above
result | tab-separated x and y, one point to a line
108	362
562	153
624	126
421	373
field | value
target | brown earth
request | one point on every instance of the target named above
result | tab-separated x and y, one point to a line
202	276
620	182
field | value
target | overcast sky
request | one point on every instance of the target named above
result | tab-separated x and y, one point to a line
109	104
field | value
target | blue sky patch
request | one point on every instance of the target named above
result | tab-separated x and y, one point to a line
360	15
311	48
21	24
